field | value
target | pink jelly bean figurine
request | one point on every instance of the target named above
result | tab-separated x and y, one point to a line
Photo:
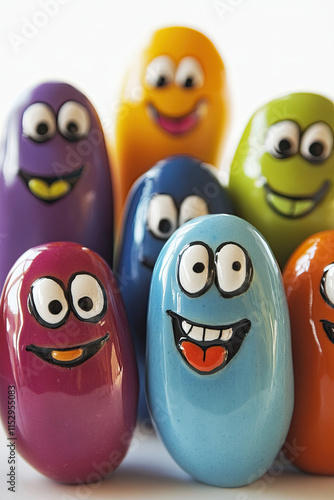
67	362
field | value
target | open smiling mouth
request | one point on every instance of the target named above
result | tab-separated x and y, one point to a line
50	189
328	326
294	207
205	348
71	357
178	124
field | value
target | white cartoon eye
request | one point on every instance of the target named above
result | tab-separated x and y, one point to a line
160	72
47	302
191	207
195	270
189	73
317	142
73	121
327	285
234	270
282	140
39	122
162	216
88	298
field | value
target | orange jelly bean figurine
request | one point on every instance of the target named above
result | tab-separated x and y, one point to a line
174	101
309	283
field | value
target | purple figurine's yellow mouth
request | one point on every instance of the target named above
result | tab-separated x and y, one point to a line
68	357
50	188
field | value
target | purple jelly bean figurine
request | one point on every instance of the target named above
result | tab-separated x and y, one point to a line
55	182
67	365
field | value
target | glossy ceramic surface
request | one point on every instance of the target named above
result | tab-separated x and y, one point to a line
54	175
66	348
173	102
173	192
282	176
219	366
308	279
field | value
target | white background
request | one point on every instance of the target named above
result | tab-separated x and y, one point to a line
270	47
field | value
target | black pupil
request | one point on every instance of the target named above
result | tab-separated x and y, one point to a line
236	266
316	149
189	82
164	226
162	80
85	303
198	267
284	145
72	128
55	307
42	129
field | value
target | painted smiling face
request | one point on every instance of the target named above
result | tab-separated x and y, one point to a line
308	279
219	345
54	160
282	176
64	340
176	190
175	103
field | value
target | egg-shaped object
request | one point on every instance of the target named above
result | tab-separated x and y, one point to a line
219	364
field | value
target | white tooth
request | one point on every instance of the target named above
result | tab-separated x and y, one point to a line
211	334
196	333
227	334
186	327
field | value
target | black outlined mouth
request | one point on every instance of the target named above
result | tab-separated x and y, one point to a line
50	188
207	348
328	326
294	207
177	125
69	357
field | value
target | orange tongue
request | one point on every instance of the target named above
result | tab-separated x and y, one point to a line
203	360
66	355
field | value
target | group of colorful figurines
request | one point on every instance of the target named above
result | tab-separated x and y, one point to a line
194	296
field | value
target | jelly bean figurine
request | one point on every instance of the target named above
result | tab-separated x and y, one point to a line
176	190
55	180
308	278
219	363
282	176
66	359
174	101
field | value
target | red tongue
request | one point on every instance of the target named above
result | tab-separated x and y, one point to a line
203	360
177	125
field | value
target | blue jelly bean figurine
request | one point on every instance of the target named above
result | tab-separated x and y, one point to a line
219	364
171	193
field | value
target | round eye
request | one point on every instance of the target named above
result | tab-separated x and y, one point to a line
88	298
162	216
195	269
191	207
47	302
317	142
73	121
234	270
327	285
39	122
282	139
160	72
189	73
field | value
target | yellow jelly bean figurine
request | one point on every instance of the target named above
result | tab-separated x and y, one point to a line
174	101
